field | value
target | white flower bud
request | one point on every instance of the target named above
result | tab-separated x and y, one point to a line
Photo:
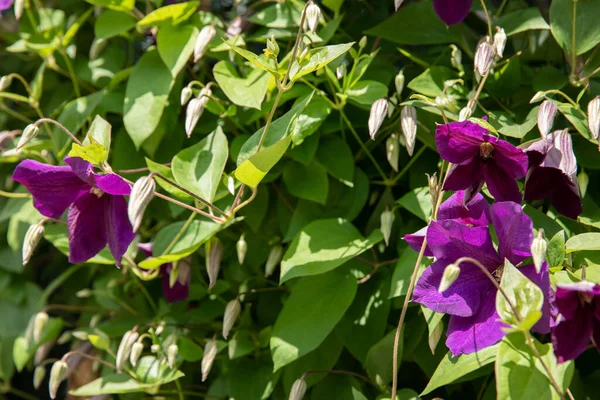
392	151
210	352
172	351
5	82
19	8
141	195
38	376
313	13
449	276
32	239
499	41
377	115
214	251
242	248
42	352
432	182
155	348
29	133
97	47
545	117
340	71
538	250
194	111
205	36
39	323
186	95
64	338
136	352
464	114
273	260
539	96
484	56
397	4
298	389
362	42
387	220
81	335
232	312
129	338
159	329
399	83
84	293
408	122
593	110
57	374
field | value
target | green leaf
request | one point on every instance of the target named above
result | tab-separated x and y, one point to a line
261	61
324	245
118	5
306	182
318	58
452	368
245	92
173	14
94	153
333	5
278	15
119	384
577	118
507	126
521	21
311	118
364	93
146	97
404	270
253	170
112	23
307	317
336	157
100	132
198	168
587	29
189	350
556	250
252	379
379	363
168	173
583	241
418	202
176	45
99	341
431	81
520	374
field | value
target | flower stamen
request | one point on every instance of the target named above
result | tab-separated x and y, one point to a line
486	150
97	192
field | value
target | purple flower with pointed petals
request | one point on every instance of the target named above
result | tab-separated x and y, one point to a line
553	173
578	321
470	300
478	158
181	288
454	208
452	11
96	203
5	4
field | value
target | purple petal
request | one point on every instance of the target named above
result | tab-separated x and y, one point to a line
570	337
119	232
452	11
500	184
462	177
83	169
110	183
514	230
179	292
510	158
146	248
87	233
458	142
452	240
5	4
467	335
542	280
462	298
474	213
545	182
567	296
566	198
53	188
415	241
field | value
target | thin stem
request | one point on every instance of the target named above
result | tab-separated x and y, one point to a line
23	81
15	195
15	114
573	41
71	73
296	44
15	97
179	234
89	357
238	197
191	208
407	167
280	91
487	18
179	390
245	203
21	394
547	370
61	126
565	96
138	170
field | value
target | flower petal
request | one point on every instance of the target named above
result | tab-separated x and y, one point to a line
87	234
53	188
542	280
179	291
82	168
510	158
415	241
566	198
458	142
567	296
464	176
570	337
500	184
452	11
546	182
112	184
514	230
119	231
146	248
474	213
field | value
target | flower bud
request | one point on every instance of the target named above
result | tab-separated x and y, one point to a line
538	250
432	182
172	351
387	220
340	71
377	115
159	329
484	56
399	83
32	239
81	335
499	41
313	13
141	195
97	47
155	348
194	111
19	7
205	36
38	376
456	58
232	312
186	95
64	338
29	133
392	150
272	47
129	338
210	352
242	248
464	114
136	352
84	293
42	352
39	323
214	251
449	276
5	82
593	110
57	374
362	42
298	389
408	122
545	117
539	96
273	260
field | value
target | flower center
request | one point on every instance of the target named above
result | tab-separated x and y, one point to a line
486	150
498	273
585	298
97	192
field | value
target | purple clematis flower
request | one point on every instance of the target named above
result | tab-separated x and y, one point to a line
578	321
478	158
5	4
452	11
454	208
181	288
553	173
97	208
471	299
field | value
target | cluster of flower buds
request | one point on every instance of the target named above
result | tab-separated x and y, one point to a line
195	108
205	36
273	260
545	117
378	113
210	353
232	312
408	122
214	253
298	389
32	239
124	350
141	194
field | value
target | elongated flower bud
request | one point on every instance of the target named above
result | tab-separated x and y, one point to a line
129	338
205	36
172	351
538	250
32	239
84	293
19	8
593	110
392	151
39	323
272	47
42	352
29	133
449	276
242	248
499	41
136	352
313	13
539	96
408	122
155	348
484	57
57	374
456	58
232	312
545	117
298	389
464	114
38	376
273	260
341	71
194	111
210	352
97	47
362	42
568	161
141	195
186	95
387	220
399	83
214	251
432	182
377	115
5	82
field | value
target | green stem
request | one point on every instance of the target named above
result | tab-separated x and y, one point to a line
71	73
179	390
56	283
407	167
573	41
487	18
179	234
15	97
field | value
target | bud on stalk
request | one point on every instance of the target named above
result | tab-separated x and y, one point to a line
129	338
545	117
19	8
273	260
29	133
538	250
242	248
392	148
272	47
387	220
593	110
194	111
449	276
57	374
399	83
5	82
464	114
205	36
232	312
313	13
408	122
378	113
136	352
484	56
298	389
186	95
210	352
340	71
32	239
499	41
214	253
141	195
537	97
39	323
172	351
38	376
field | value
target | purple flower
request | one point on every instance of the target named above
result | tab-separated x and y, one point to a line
471	299
553	173
578	321
181	288
452	11
454	208
5	4
97	208
478	158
